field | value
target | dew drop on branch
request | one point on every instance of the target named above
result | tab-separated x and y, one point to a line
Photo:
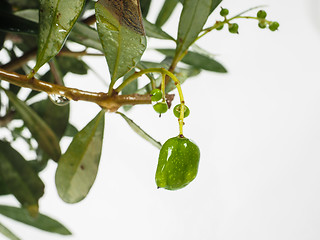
58	99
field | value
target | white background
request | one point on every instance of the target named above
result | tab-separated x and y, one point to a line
258	128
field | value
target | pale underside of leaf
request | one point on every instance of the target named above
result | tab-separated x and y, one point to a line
45	137
120	29
42	222
194	15
56	19
140	132
6	232
78	167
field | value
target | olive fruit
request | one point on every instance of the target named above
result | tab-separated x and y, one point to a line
156	95
261	14
177	164
160	107
274	26
176	111
224	12
233	28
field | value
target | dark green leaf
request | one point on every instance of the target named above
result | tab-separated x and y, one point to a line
166	11
122	35
16	24
214	5
71	64
45	137
42	222
197	60
194	15
71	131
145	5
85	35
154	31
56	20
20	178
78	167
57	117
6	232
2	38
140	132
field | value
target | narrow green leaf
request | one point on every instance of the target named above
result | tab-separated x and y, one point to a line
45	137
57	117
78	167
72	65
154	31
122	35
71	130
42	222
16	24
56	19
6	232
214	5
145	5
197	60
85	35
194	15
166	11
140	132
19	177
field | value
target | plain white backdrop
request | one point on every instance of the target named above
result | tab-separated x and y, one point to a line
258	129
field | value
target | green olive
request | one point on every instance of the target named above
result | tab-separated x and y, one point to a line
233	28
177	164
156	95
160	107
176	111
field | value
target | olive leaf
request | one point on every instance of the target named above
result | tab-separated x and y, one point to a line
42	222
166	11
56	19
6	232
154	31
85	35
20	179
12	23
44	135
140	132
121	32
56	117
145	5
214	5
193	16
78	167
197	60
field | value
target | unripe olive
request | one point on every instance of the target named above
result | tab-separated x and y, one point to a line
160	107
156	95
274	26
177	164
177	110
224	12
233	28
262	25
261	14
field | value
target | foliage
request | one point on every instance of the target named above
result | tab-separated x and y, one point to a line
41	30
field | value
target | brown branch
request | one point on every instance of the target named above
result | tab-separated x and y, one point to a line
89	20
111	103
20	61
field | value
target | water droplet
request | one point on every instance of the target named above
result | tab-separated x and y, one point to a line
58	99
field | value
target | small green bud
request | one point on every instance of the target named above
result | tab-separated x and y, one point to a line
160	107
233	28
224	12
274	26
177	110
262	14
220	27
262	24
156	95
